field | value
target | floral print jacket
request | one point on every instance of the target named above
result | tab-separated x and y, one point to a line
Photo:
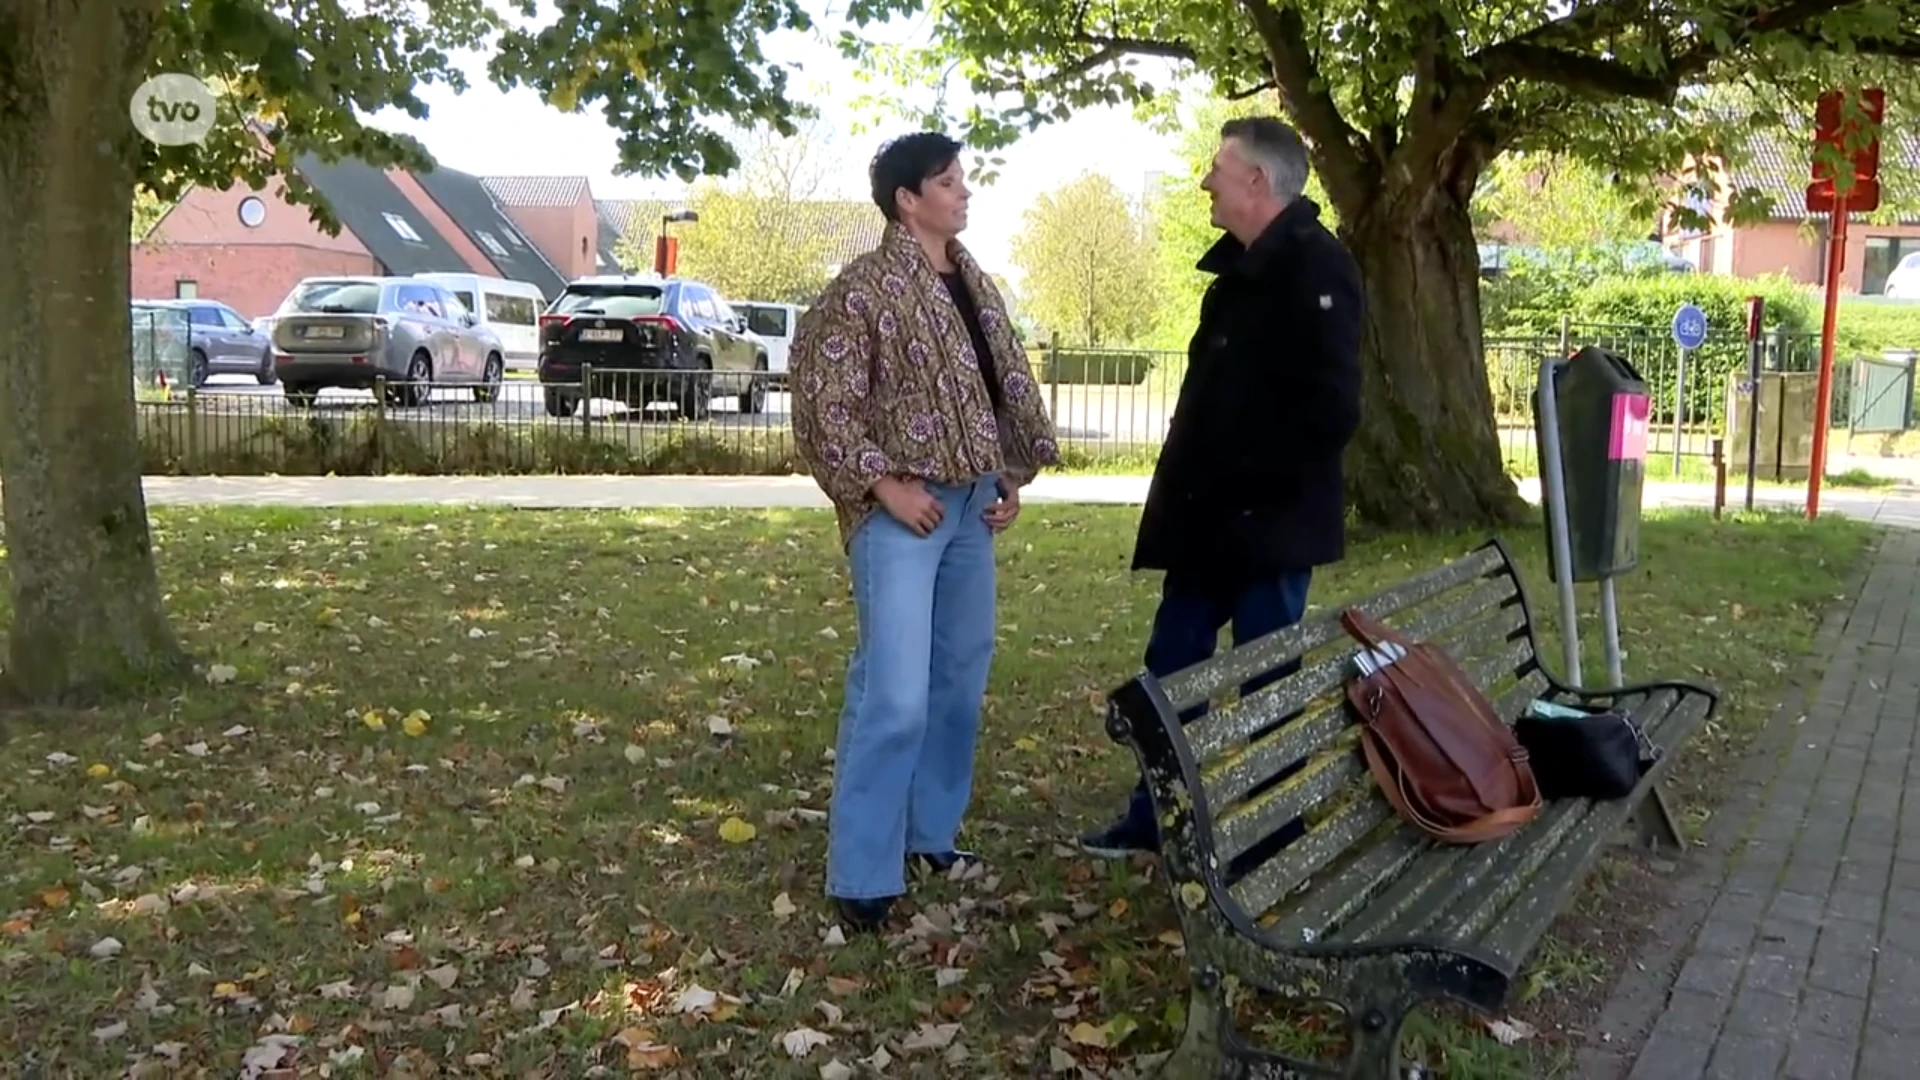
885	382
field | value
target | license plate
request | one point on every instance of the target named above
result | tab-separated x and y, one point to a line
325	332
601	335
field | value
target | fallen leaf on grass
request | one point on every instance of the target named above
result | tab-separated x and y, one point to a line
694	999
1510	1031
222	673
415	725
800	1042
735	831
644	1051
106	947
930	1037
836	1070
444	976
783	907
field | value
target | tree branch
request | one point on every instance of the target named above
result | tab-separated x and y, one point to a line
1257	88
1344	160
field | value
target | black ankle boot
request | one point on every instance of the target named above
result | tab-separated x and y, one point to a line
864	915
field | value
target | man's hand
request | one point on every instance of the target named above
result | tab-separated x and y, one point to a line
1001	514
910	503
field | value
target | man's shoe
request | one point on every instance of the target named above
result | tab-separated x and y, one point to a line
1123	839
940	864
865	915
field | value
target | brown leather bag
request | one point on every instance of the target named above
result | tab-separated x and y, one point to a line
1441	755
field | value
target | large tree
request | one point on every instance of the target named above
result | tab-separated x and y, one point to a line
766	232
1088	263
87	617
1404	106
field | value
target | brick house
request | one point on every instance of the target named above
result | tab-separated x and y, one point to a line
1792	242
248	247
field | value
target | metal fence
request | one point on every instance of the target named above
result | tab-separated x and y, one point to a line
1110	407
1690	399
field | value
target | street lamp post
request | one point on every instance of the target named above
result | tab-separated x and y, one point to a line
666	250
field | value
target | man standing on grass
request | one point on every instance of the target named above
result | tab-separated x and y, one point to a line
916	412
1247	497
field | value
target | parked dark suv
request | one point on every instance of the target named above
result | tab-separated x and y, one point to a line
649	339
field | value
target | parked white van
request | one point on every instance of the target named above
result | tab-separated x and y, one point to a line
511	308
774	324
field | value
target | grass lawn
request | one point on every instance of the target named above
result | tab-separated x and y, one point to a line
536	793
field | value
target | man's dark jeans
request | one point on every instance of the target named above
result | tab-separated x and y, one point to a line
1186	630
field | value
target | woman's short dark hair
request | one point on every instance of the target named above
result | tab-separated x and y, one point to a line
907	162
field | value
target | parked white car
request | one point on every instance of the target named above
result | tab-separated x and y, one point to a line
1904	282
772	323
510	308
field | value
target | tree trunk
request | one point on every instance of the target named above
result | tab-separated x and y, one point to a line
1427	455
87	615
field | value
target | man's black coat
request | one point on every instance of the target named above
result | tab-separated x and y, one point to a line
1249	482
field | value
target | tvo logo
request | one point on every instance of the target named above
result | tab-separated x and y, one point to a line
172	109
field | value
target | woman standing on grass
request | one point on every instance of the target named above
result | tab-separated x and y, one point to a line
915	411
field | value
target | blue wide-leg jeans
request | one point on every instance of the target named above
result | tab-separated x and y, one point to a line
903	761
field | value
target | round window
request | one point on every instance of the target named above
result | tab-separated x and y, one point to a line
252	212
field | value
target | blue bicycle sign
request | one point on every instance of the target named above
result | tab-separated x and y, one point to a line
1689	327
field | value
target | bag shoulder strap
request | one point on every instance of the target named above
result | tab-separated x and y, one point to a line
1486	827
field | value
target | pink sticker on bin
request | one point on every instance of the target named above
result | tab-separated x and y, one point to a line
1628	442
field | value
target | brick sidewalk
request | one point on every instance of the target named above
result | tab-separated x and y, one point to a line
1793	947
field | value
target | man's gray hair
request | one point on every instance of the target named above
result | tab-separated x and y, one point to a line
1275	147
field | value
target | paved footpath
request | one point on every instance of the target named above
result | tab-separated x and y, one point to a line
1793	949
1899	507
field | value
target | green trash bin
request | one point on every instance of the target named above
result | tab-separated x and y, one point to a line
1604	414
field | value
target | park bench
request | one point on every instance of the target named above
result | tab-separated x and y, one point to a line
1291	874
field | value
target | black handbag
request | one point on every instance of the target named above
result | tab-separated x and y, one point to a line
1578	754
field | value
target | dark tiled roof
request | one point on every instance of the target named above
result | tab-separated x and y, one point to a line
606	244
467	201
362	198
851	228
625	214
537	190
1781	169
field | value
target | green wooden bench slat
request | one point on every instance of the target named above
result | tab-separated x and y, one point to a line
1238	829
1336	898
1223	728
1202	681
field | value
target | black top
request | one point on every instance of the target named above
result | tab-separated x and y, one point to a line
1250	483
969	314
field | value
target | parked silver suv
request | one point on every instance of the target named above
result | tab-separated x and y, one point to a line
347	331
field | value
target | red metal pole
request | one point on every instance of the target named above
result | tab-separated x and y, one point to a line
1836	261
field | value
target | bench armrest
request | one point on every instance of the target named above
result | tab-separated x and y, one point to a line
1685	689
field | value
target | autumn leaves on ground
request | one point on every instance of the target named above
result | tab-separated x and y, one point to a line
515	793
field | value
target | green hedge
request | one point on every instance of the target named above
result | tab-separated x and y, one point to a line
1097	368
175	441
1650	301
1871	326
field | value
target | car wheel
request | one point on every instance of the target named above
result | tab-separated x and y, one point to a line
301	396
419	388
560	403
268	374
489	388
196	369
694	394
754	401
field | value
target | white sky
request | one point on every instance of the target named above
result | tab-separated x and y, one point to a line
486	132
